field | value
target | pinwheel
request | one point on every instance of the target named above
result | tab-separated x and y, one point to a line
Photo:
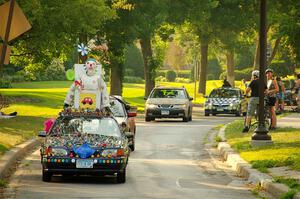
82	49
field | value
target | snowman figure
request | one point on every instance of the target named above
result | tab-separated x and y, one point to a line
88	82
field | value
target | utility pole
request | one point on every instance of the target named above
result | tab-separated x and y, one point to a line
261	136
7	32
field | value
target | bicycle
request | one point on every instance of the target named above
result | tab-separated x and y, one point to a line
267	116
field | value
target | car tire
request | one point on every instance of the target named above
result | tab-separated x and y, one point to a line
185	119
206	113
83	103
121	176
46	176
148	119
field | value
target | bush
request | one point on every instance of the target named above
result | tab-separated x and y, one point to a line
182	80
55	71
171	75
184	73
282	68
19	76
5	82
160	79
239	74
131	79
159	73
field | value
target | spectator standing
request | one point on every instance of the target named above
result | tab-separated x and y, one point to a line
272	90
280	94
297	91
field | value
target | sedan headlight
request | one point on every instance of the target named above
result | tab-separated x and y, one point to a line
183	106
151	106
59	152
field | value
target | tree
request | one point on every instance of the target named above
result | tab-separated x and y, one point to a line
148	15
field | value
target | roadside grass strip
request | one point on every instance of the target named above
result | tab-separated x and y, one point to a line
284	152
292	183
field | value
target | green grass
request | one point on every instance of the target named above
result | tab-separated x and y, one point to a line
292	183
3	183
284	152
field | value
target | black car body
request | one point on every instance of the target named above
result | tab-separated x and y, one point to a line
225	101
84	143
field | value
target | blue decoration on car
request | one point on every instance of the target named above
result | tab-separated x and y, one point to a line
84	151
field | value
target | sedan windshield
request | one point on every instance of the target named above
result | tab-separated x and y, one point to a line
168	93
224	93
91	126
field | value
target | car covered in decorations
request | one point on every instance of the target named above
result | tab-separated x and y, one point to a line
125	115
225	101
84	143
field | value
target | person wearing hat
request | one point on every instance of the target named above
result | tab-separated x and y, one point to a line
272	90
254	99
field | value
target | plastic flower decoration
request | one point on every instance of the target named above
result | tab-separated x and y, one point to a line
82	49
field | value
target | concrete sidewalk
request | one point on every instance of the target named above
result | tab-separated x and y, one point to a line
292	120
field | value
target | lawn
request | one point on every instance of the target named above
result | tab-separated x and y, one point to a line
37	101
284	152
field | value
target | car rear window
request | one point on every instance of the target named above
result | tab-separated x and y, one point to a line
168	93
93	126
224	93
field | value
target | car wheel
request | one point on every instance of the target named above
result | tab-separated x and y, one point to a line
46	176
148	119
206	113
83	103
185	119
90	103
121	176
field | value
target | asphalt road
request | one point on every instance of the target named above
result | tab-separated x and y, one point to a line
170	162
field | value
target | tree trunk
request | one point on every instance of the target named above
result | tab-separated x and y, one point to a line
148	70
203	67
256	56
276	46
116	74
230	67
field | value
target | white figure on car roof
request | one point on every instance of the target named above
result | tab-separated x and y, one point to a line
88	81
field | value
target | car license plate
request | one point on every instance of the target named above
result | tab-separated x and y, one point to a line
82	164
165	112
220	109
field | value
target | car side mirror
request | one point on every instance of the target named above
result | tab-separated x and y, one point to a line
191	99
129	134
42	134
132	114
127	107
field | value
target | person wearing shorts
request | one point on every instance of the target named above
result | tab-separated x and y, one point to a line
254	99
280	95
297	91
271	94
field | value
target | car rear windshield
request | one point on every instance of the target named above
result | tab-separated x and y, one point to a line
117	108
91	126
168	93
224	93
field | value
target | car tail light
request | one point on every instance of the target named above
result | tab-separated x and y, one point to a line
120	152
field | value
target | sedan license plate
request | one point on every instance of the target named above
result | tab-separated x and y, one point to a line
165	112
220	109
83	164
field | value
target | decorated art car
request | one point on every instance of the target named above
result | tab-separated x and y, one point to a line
84	143
225	101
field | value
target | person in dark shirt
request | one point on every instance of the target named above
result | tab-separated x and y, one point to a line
226	83
254	99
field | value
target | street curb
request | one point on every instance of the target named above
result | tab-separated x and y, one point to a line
245	170
9	159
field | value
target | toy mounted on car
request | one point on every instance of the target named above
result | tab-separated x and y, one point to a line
88	89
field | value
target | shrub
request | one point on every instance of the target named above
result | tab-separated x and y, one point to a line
210	77
182	80
171	75
184	73
5	82
131	79
282	68
160	79
239	74
159	73
55	71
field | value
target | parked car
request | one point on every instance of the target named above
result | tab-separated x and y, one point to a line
225	101
84	143
169	102
125	115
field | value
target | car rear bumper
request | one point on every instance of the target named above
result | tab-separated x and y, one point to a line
161	113
102	166
214	111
